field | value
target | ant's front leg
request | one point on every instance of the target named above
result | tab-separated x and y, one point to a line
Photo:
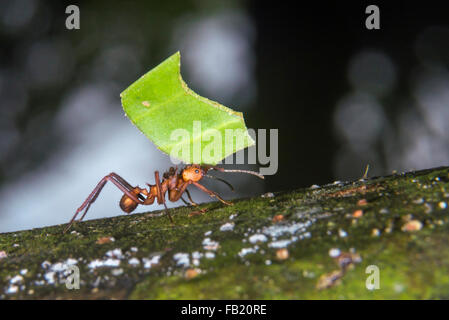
211	193
121	183
176	194
193	203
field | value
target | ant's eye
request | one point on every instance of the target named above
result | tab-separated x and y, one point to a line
197	171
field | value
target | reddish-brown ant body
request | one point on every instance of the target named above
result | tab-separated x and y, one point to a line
173	182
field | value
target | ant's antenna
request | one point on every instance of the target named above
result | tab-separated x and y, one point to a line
245	171
222	180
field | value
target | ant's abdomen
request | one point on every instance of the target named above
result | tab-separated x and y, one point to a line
127	204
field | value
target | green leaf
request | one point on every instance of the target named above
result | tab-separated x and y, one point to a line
181	123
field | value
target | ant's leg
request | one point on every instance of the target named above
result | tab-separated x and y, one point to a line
114	178
94	194
175	194
190	198
199	211
125	184
211	193
121	180
191	203
161	195
128	188
185	202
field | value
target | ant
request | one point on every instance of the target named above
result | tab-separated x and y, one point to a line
173	182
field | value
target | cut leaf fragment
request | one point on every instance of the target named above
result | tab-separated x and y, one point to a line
181	123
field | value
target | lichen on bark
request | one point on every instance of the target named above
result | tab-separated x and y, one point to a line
311	243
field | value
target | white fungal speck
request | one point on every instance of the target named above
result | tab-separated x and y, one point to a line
245	251
55	271
209	255
280	243
306	235
111	263
315	186
95	264
12	289
196	255
227	227
334	252
342	233
209	244
134	249
117	272
208	233
116	253
50	277
23	272
148	263
71	262
308	274
134	261
267	262
257	238
196	258
268	195
103	263
182	259
3	254
16	279
398	287
279	229
232	216
58	267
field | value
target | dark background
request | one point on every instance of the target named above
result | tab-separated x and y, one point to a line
341	96
303	55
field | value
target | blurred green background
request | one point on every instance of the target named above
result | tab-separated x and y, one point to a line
340	95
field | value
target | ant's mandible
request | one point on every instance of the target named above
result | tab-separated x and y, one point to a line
173	182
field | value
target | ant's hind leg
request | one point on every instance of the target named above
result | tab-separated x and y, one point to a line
115	179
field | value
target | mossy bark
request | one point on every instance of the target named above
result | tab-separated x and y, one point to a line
313	243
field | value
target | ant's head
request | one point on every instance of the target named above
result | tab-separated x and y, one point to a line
193	173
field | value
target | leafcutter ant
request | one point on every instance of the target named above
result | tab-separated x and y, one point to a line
173	182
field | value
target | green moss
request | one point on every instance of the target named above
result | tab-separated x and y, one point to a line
412	264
